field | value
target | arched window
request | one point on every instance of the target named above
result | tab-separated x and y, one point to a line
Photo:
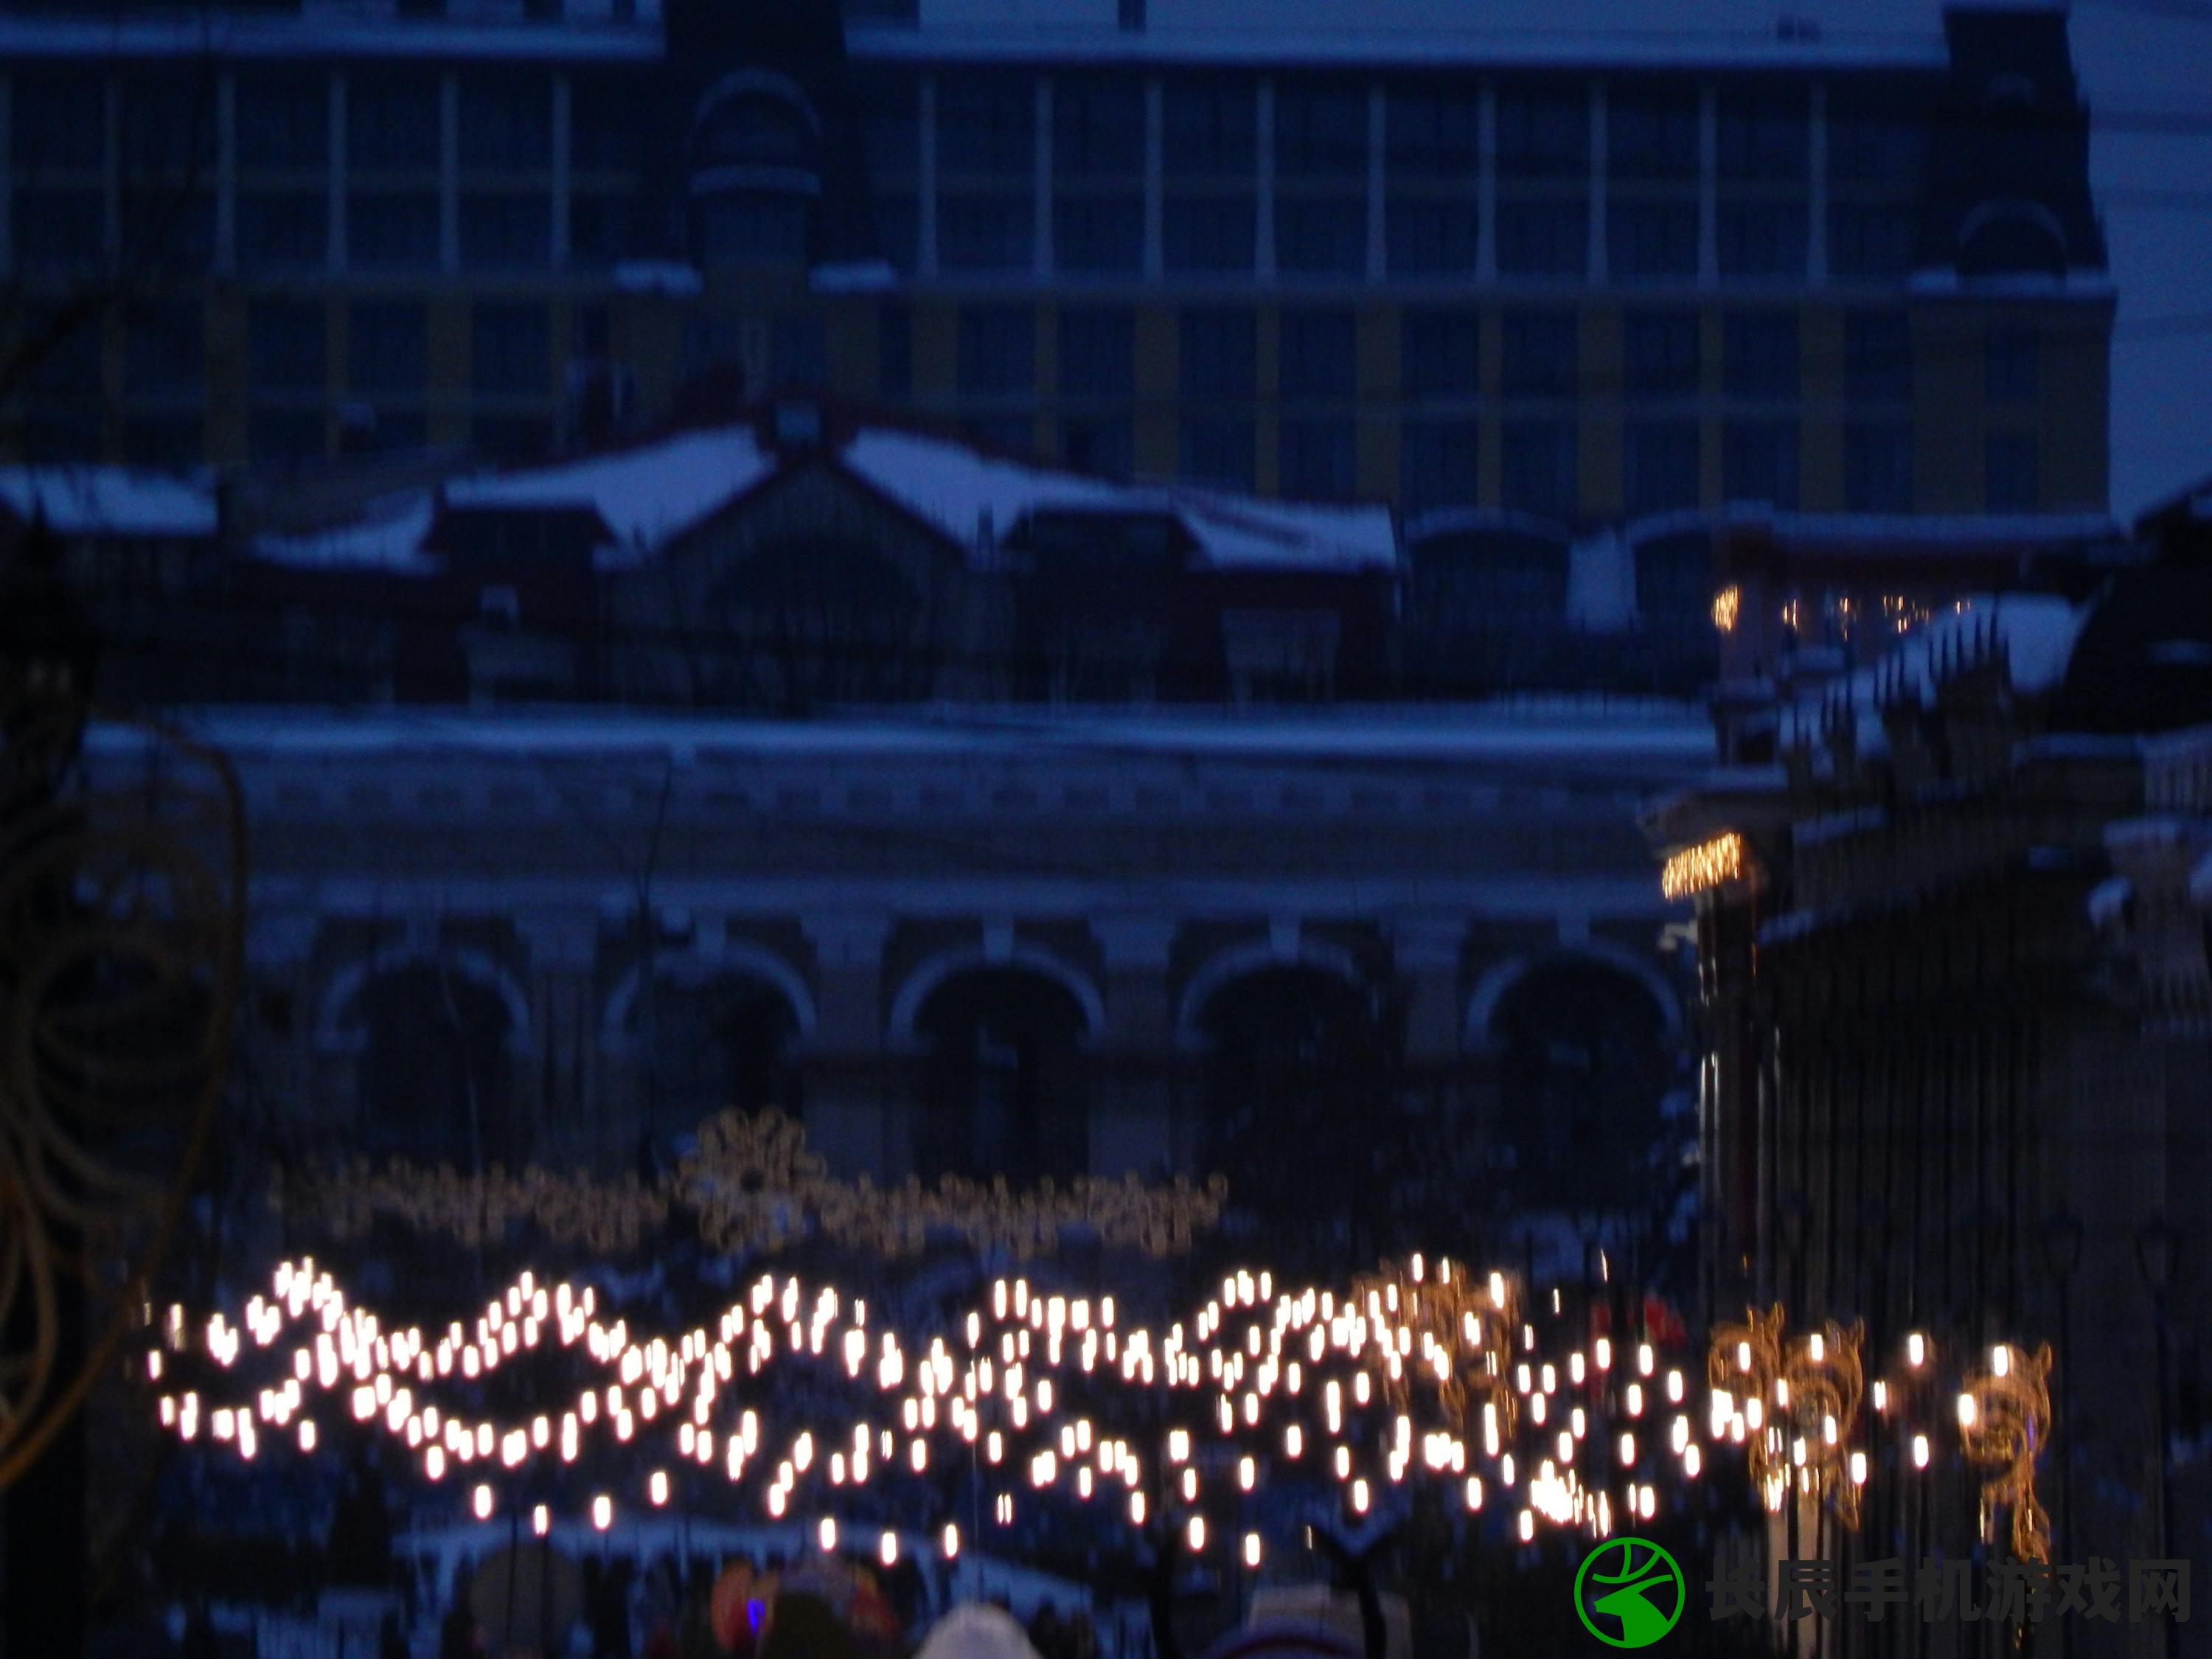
1584	1062
1296	1090
2012	238
436	1083
1003	1085
712	1041
755	172
818	619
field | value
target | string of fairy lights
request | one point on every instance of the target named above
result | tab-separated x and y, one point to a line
1424	1373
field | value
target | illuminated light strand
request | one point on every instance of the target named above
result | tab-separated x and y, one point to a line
1427	1359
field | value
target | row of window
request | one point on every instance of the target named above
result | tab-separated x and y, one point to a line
1539	466
286	229
1763	355
284	121
1214	233
274	436
1439	465
289	230
510	351
986	125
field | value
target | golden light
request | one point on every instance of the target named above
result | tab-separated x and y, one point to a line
603	1511
1701	868
1726	604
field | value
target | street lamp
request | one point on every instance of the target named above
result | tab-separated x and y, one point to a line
2158	1257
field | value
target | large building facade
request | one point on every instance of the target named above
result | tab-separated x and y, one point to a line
1493	274
1373	968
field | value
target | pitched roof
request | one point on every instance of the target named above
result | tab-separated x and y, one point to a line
649	495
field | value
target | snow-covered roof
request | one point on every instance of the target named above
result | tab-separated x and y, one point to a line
1581	32
975	500
388	537
645	495
590	31
2035	632
2200	882
1584	729
972	498
1534	33
109	501
650	494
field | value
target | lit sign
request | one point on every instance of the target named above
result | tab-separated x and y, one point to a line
1698	869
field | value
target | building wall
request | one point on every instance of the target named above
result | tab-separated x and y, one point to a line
855	872
519	219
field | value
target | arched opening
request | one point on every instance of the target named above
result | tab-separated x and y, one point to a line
712	1041
436	1077
1297	1088
1002	1078
818	619
1584	1060
755	173
2012	238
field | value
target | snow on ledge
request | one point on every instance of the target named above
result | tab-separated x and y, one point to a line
2108	901
669	276
109	501
858	276
644	496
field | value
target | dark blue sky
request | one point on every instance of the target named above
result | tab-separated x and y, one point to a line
2140	57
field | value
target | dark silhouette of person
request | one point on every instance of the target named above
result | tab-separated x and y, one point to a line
359	1548
457	1635
201	1641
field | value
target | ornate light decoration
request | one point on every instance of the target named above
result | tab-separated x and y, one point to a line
1794	1406
1461	1327
755	1186
2004	1424
1742	1365
122	923
1027	1387
1698	869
